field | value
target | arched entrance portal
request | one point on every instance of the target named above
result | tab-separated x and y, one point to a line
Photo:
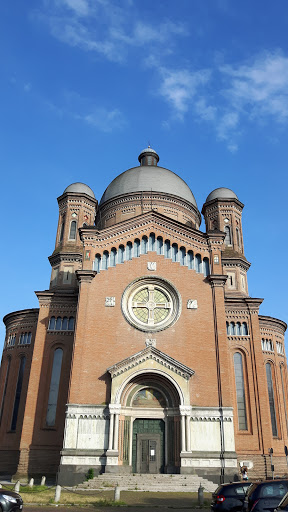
149	428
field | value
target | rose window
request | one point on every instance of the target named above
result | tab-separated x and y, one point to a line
151	304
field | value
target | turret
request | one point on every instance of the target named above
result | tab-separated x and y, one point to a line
77	208
223	212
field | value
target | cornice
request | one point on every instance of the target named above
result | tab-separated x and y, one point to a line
153	218
85	275
217	280
236	262
48	297
21	314
272	322
148	353
221	202
56	258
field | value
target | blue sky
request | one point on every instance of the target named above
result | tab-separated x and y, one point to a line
86	84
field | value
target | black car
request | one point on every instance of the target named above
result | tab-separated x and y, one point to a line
265	496
283	505
10	501
229	497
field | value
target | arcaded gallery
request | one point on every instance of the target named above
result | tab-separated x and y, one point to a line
146	354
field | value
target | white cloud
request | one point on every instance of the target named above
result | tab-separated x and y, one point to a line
104	120
260	88
179	87
79	7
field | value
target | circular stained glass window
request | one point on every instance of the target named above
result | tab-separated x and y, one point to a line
151	304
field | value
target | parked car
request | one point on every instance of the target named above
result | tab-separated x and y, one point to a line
265	496
10	501
283	505
229	497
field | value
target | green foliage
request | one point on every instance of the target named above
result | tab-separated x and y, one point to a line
90	474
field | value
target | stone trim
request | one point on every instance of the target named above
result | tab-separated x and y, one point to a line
85	275
151	353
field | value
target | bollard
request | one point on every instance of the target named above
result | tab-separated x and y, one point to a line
200	496
43	480
57	493
17	486
117	493
31	482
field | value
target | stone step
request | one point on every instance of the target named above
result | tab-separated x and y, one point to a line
153	483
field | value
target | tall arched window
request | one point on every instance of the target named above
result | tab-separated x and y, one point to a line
97	263
159	245
240	391
228	328
72	234
54	387
62	230
65	323
113	257
238	238
129	251
232	328
282	372
5	387
271	399
228	240
18	393
144	245
238	329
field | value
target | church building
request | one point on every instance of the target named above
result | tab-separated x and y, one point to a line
146	354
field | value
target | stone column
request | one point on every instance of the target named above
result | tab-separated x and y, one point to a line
112	452
111	431
116	431
188	433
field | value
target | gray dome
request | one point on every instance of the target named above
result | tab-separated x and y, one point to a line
146	178
80	188
221	193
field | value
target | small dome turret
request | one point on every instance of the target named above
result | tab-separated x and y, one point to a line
80	188
148	157
221	193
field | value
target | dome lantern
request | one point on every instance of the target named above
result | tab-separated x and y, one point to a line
148	157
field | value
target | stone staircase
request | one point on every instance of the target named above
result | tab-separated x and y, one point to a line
147	482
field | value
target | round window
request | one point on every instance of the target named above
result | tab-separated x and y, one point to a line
151	304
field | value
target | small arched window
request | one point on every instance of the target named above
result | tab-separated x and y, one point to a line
238	329
71	323
232	328
58	323
97	263
72	235
121	252
54	388
271	399
228	328
62	230
65	323
167	249
182	256
144	245
245	329
206	267
174	252
159	245
113	257
228	240
238	238
198	263
29	338
152	242
240	391
105	260
136	248
190	260
52	322
129	251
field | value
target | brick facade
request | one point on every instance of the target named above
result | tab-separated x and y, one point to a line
141	322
